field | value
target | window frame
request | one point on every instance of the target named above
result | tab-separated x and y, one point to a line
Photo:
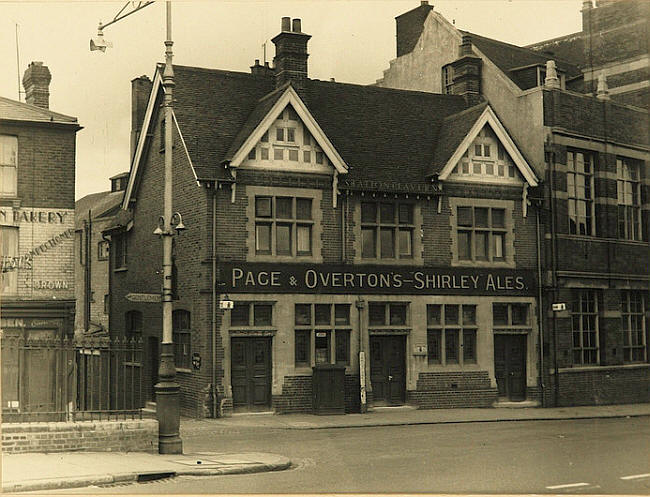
182	337
447	77
629	214
10	141
442	330
489	230
633	327
120	252
275	222
9	279
395	226
335	332
133	324
103	250
578	315
573	197
252	306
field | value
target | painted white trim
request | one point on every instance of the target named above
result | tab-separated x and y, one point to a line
157	83
187	152
290	97
489	117
618	67
631	87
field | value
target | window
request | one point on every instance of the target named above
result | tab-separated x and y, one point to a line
447	79
133	324
251	314
633	326
283	226
584	325
486	158
385	314
119	249
451	333
510	316
580	192
8	165
9	251
387	230
102	250
628	188
328	325
481	234
182	338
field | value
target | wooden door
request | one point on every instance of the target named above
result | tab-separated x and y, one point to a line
510	366
387	369
251	372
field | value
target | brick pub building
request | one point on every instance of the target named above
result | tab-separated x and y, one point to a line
578	108
37	166
339	219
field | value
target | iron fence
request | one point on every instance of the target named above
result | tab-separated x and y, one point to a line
51	379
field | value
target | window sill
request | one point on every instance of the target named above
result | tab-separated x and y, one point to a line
285	258
132	364
488	264
414	261
120	269
602	239
183	370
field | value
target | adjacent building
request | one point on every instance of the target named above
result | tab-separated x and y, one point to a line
577	108
37	168
385	231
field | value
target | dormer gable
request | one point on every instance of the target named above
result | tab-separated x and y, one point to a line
289	135
487	153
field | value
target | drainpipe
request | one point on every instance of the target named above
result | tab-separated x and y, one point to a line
540	318
363	407
215	410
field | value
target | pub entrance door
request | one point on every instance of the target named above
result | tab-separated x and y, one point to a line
510	366
388	369
251	373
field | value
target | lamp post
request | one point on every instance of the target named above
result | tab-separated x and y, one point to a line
167	389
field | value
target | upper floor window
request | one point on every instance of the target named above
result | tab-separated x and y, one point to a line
584	320
580	192
288	141
119	250
8	165
387	230
283	226
102	250
481	233
8	250
251	314
181	335
447	79
486	158
633	326
628	189
133	324
451	333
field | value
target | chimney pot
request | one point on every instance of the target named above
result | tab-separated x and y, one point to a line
602	93
37	85
424	2
286	24
551	80
297	28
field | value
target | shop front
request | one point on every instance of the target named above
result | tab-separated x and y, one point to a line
430	337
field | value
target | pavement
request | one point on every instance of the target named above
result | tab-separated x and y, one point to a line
40	471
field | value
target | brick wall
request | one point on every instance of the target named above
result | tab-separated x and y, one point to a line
297	395
445	390
94	436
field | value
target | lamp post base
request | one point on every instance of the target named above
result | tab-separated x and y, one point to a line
168	407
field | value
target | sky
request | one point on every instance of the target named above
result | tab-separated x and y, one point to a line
352	41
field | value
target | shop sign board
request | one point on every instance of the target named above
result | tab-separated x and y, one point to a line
144	297
257	277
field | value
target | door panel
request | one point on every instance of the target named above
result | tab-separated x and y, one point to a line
251	372
510	365
387	369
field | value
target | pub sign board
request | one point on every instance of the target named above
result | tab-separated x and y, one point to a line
260	277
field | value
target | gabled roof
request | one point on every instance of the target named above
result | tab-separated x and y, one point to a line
380	134
19	111
508	57
569	47
460	130
99	204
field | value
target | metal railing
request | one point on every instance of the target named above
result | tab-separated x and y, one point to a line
53	379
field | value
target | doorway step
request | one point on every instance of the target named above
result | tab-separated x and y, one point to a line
149	410
516	404
392	408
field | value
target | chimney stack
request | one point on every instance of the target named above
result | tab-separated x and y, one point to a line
37	85
467	73
140	91
291	55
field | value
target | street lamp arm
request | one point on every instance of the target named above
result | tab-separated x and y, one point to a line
119	16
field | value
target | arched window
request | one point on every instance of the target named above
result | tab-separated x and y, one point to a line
133	326
181	327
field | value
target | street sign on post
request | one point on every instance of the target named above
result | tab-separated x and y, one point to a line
144	297
560	306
